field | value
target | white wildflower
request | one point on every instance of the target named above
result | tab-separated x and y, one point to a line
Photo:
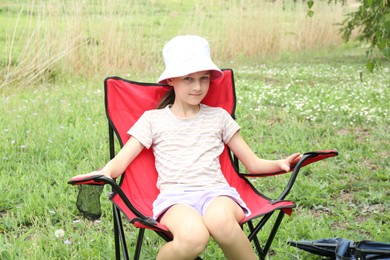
59	233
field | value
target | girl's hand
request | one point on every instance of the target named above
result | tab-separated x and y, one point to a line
290	161
98	172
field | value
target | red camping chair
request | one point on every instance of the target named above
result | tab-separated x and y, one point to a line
125	102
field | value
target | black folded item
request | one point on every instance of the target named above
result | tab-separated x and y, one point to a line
344	249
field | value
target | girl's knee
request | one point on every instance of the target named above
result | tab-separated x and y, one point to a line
221	221
221	224
190	235
192	243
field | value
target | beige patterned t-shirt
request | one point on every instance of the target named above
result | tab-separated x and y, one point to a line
186	150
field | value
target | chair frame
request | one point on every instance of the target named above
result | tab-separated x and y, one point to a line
143	222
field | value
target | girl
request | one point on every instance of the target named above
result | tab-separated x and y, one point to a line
187	137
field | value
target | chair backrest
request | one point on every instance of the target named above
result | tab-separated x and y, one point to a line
126	101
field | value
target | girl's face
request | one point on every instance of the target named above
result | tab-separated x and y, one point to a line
192	88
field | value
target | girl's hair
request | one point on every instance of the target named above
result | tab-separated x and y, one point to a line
167	99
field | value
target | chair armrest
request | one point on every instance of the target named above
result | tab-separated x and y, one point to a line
90	180
307	158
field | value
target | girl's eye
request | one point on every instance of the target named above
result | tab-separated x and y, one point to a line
205	78
188	79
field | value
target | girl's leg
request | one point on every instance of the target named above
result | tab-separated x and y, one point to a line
222	220
190	235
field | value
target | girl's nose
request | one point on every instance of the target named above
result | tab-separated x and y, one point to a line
197	85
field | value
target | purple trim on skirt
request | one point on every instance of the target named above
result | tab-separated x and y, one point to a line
199	199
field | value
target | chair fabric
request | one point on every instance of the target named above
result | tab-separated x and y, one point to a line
125	102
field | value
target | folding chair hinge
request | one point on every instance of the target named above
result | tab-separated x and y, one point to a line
110	194
151	220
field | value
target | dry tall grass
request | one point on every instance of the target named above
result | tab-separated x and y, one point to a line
47	38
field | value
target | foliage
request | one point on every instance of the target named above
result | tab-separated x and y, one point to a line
372	19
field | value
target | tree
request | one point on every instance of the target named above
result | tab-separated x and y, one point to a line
372	21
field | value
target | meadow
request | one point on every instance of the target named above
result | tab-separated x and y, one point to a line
297	95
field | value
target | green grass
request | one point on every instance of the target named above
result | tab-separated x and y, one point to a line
53	122
300	103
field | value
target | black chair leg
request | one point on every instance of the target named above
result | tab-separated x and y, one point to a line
259	226
120	239
255	240
137	253
262	252
273	232
116	235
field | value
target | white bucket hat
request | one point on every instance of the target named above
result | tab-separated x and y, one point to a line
187	54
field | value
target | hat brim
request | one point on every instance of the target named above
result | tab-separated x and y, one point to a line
185	69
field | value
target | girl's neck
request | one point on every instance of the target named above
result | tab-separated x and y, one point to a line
185	111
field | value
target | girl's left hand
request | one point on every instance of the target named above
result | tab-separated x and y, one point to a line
290	161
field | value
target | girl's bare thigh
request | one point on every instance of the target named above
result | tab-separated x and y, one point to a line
182	220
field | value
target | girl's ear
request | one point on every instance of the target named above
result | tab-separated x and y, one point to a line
170	82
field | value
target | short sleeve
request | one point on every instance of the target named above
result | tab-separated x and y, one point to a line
142	130
229	126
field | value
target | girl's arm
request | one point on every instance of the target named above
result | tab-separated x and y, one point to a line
119	163
253	163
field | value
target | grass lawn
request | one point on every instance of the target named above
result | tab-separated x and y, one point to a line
55	54
50	132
